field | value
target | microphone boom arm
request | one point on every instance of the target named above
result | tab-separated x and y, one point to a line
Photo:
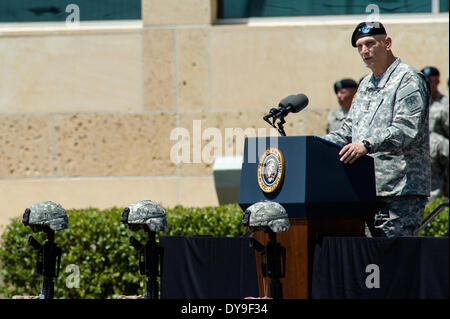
280	127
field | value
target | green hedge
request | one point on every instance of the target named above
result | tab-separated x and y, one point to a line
439	225
97	242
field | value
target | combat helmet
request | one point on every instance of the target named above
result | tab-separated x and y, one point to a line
146	215
44	216
266	214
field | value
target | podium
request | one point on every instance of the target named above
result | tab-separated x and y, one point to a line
322	196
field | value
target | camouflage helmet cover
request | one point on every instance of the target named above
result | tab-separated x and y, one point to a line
143	213
47	213
268	214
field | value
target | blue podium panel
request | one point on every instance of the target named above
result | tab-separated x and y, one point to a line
315	183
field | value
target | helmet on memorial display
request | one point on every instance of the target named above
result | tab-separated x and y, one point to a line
146	215
45	215
266	214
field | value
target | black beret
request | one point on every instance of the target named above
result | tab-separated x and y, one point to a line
365	29
430	71
345	83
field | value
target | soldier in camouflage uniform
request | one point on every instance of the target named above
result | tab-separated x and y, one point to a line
345	90
439	129
439	149
389	120
438	117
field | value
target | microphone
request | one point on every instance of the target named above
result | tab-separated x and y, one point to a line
292	104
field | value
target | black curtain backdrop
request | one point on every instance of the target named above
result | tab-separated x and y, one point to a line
203	267
409	267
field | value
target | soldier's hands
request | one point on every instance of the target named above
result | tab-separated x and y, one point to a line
351	152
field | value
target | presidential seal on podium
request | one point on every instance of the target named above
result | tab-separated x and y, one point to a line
270	170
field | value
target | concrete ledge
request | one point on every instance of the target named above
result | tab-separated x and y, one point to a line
55	28
198	191
335	20
104	192
76	193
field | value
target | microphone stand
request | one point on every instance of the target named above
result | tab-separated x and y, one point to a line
266	118
280	127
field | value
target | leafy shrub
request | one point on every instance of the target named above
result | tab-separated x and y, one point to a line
439	225
222	221
97	242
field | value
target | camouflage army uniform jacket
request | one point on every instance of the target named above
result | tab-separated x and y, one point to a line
439	119
391	113
335	119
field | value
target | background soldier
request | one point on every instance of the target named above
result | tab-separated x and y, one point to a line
345	90
439	151
389	120
439	134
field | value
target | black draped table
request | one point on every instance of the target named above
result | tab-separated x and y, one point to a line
202	267
381	268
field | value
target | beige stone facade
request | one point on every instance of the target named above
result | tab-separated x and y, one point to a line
86	114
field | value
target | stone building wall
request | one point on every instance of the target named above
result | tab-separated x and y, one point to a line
86	115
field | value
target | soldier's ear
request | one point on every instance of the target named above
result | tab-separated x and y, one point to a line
388	42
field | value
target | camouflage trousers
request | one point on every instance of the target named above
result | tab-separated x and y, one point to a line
397	216
439	151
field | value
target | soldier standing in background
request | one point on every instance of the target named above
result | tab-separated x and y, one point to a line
389	120
345	91
439	134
